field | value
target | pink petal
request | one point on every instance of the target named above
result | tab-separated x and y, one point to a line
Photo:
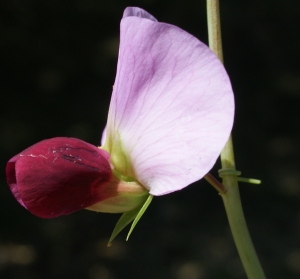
172	106
103	137
138	12
59	176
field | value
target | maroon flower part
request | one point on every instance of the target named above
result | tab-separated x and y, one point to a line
59	176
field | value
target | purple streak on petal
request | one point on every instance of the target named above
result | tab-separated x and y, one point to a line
138	12
59	176
172	105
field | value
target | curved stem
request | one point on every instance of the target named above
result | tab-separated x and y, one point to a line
231	196
240	231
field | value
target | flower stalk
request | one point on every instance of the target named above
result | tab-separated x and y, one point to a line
231	196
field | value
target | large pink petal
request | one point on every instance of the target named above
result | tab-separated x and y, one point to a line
172	105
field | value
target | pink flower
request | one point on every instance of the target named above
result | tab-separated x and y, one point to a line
170	115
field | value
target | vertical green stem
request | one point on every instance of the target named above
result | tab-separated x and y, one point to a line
214	28
231	196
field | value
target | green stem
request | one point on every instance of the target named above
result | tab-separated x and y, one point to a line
240	231
231	196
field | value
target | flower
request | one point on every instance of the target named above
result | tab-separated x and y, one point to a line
170	115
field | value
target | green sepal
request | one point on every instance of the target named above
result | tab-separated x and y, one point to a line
139	215
127	217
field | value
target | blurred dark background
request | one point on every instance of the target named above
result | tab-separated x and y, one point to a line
58	62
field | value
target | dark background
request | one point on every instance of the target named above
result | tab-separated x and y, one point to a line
58	62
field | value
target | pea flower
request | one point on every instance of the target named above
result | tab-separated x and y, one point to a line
170	115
